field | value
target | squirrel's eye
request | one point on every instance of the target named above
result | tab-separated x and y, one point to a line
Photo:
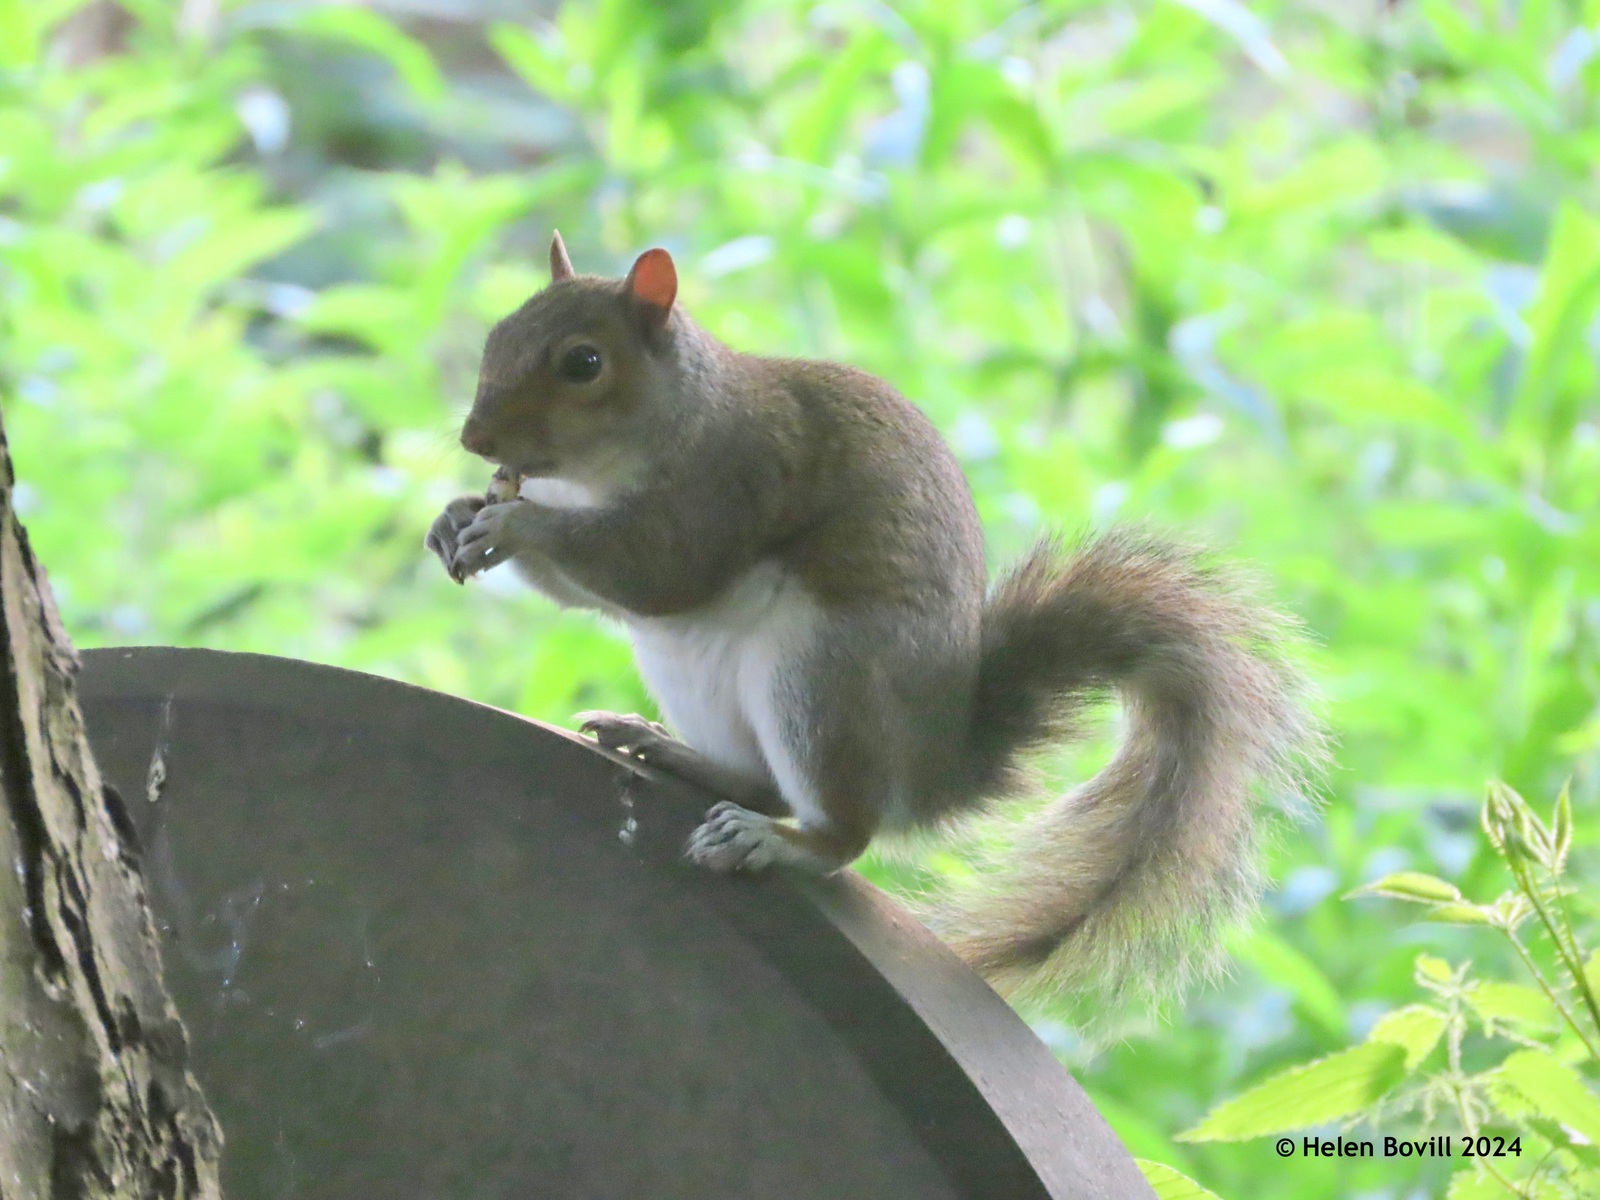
580	364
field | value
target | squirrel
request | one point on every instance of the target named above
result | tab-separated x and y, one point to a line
797	558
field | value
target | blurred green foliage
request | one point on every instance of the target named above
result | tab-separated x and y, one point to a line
1497	1067
1316	282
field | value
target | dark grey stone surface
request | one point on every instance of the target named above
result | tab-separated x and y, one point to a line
426	948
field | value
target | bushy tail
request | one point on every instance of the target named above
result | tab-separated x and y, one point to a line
1123	884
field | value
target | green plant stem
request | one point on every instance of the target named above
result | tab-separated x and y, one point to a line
1550	994
1468	1124
1573	965
1502	1180
1542	1165
1580	977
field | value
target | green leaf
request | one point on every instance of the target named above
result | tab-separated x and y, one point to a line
1338	173
237	243
1561	828
383	317
377	34
1431	972
1511	1003
1552	1088
539	60
1569	290
1169	1184
1246	28
1147	103
19	35
1327	1089
813	132
1411	885
1513	830
1461	914
23	24
1474	1184
1416	1028
1511	910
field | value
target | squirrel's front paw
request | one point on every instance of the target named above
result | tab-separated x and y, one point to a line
490	539
447	527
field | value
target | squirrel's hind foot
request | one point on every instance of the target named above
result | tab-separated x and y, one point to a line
735	839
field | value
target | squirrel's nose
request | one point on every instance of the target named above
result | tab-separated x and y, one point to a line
475	438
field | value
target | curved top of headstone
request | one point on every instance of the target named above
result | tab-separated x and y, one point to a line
428	948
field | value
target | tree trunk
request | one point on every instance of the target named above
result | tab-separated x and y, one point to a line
96	1098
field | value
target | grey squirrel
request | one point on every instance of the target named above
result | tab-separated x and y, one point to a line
796	555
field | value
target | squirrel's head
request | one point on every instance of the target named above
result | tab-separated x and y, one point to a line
565	378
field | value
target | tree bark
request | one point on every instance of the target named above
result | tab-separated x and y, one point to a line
96	1098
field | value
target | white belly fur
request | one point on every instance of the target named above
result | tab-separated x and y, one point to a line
719	673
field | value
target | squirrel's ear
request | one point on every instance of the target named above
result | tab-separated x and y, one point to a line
654	283
560	264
